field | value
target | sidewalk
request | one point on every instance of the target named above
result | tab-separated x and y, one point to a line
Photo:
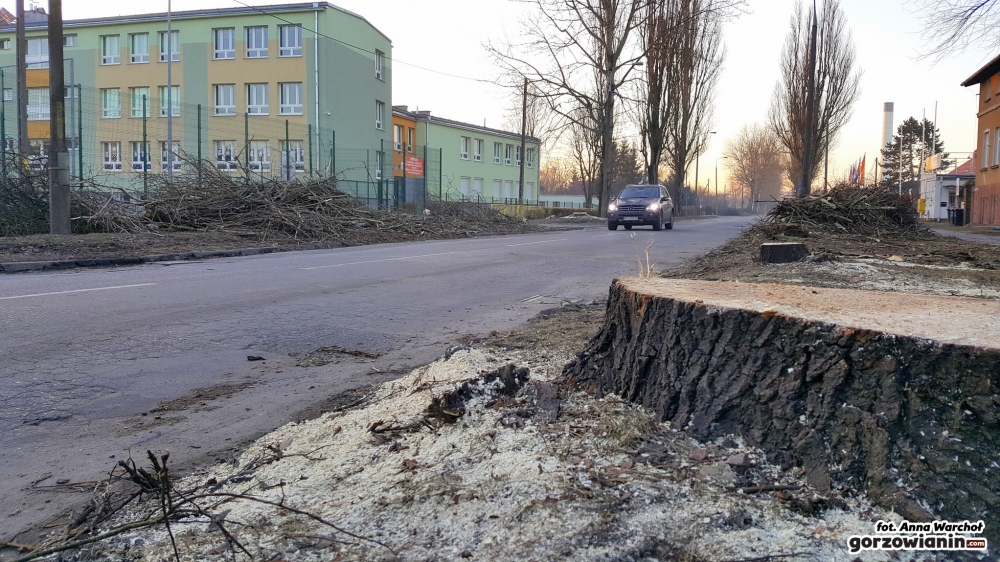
982	234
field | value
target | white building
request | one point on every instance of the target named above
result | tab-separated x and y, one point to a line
939	191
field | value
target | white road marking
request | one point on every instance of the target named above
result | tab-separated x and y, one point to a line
77	291
381	260
540	242
602	235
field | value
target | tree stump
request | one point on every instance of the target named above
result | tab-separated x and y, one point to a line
782	252
892	394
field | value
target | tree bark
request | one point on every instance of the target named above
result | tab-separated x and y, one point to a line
896	397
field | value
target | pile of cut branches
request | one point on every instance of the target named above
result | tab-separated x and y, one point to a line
24	207
849	210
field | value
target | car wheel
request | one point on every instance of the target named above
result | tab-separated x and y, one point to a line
670	225
659	222
612	226
628	226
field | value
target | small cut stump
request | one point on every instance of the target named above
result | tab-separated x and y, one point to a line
782	252
892	394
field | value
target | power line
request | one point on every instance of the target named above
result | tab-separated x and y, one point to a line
362	49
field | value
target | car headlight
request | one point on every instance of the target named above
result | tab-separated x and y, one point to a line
612	207
653	207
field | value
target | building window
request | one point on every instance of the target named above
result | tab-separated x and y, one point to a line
37	55
397	138
140	154
477	153
986	149
410	133
291	98
225	99
518	153
497	151
225	43
139	97
260	156
174	101
8	94
508	154
69	40
465	148
293	150
378	165
379	114
176	156
225	155
38	104
290	40
257	42
173	47
110	51
5	44
257	99
112	156
111	103
530	161
996	148
38	155
139	45
380	65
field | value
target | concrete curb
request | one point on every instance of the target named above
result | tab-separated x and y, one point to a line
26	266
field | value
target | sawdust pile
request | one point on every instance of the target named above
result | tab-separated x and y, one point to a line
518	472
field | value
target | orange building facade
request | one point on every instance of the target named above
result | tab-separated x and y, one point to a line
985	198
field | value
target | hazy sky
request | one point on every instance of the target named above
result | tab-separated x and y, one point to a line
448	35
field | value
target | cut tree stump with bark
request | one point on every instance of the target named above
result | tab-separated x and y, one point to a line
892	394
782	252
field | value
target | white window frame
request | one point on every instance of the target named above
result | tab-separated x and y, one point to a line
38	111
297	155
8	94
397	138
138	154
260	156
5	44
507	154
256	105
256	47
379	115
530	158
226	157
497	152
517	155
111	103
996	148
174	47
138	57
112	156
224	43
290	40
135	101
37	55
379	65
477	150
291	98
111	50
163	156
224	104
986	150
378	164
410	133
175	100
69	40
463	150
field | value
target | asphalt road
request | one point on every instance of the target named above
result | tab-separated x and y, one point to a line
95	364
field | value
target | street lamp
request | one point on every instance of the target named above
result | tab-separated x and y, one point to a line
697	160
717	182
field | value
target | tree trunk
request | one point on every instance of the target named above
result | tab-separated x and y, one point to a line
891	394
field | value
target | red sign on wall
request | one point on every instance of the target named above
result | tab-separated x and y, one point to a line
414	166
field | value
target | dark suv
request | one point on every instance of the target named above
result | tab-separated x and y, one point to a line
641	204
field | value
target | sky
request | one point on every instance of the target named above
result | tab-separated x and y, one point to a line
450	36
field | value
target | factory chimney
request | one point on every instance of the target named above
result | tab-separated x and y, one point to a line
886	124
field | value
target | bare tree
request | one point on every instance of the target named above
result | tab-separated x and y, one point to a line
555	175
541	123
577	54
585	148
755	163
952	26
837	88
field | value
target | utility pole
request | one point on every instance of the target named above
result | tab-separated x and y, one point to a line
22	90
59	197
806	162
524	125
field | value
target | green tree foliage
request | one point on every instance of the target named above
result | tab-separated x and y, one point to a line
918	140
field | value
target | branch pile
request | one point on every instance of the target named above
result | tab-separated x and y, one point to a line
23	207
848	209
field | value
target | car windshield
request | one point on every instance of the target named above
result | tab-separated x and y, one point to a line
640	192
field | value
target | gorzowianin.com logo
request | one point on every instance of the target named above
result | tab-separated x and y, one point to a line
935	535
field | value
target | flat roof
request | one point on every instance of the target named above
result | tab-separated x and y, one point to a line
427	117
984	73
195	14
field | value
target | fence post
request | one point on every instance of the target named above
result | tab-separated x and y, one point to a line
333	157
79	133
3	128
288	155
199	145
310	134
246	144
440	170
143	152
